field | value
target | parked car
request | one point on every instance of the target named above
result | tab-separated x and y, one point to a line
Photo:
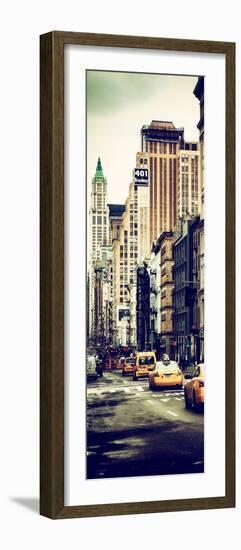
194	388
128	365
145	362
91	368
166	374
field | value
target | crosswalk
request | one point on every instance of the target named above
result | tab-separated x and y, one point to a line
134	391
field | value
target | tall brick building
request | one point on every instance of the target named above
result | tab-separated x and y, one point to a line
174	178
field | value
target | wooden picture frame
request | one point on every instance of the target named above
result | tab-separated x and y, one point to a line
52	274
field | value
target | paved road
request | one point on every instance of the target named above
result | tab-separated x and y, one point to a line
132	431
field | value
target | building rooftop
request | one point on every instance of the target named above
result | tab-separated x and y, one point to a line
99	171
116	210
162	130
162	124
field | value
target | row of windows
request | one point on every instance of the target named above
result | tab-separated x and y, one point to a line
161	147
125	255
99	202
99	235
99	220
185	158
143	160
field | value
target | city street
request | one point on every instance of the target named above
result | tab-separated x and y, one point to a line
132	431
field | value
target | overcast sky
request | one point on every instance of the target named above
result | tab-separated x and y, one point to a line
118	104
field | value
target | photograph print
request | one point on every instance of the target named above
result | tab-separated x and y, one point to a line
145	373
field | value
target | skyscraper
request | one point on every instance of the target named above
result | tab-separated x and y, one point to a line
99	219
161	140
199	93
174	176
188	181
130	238
99	244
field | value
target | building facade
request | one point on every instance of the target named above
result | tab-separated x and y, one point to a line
115	219
99	276
99	214
199	93
168	341
196	284
125	251
162	141
188	181
130	240
184	294
155	298
174	167
161	295
142	213
133	314
142	308
99	243
201	297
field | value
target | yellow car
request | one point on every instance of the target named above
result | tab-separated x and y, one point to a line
166	374
128	366
145	363
194	388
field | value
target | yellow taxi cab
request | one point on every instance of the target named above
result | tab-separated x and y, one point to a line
194	388
128	365
166	373
145	363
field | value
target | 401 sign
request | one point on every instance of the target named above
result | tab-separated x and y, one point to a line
141	176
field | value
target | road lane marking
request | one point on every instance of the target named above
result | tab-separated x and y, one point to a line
173	414
178	398
150	401
164	400
101	392
173	392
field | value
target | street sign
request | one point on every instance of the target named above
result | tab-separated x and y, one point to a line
141	176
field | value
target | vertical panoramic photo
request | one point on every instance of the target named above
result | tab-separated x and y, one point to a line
145	274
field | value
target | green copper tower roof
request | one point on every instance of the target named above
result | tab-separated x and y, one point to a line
99	171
